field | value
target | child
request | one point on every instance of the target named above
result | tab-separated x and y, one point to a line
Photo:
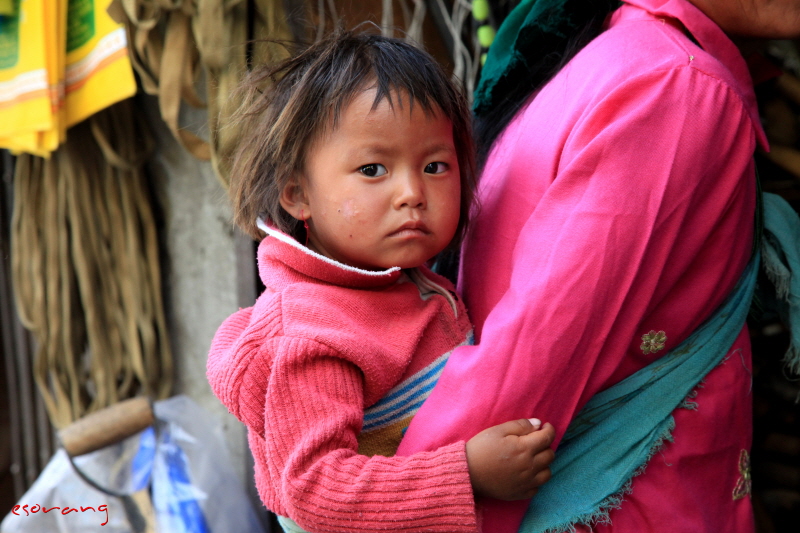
361	160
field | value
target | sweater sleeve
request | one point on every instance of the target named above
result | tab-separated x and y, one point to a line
313	415
645	180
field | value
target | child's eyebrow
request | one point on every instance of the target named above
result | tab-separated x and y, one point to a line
376	149
369	151
442	147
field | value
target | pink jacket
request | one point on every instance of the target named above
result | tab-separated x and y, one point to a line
617	213
323	343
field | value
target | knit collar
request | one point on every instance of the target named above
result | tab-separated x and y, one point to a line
713	40
282	248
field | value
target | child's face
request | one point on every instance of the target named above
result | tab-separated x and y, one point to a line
383	189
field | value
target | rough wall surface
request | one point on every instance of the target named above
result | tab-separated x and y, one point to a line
209	271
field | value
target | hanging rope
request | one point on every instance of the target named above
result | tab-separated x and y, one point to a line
255	41
86	268
173	43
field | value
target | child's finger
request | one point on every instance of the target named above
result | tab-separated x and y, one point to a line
542	477
543	459
520	427
541	439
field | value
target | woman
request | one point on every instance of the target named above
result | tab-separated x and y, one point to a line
617	213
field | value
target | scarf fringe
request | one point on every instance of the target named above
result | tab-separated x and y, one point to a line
776	271
601	515
792	359
688	403
781	278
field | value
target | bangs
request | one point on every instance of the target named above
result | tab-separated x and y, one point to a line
391	67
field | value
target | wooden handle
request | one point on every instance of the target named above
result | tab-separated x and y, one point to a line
107	426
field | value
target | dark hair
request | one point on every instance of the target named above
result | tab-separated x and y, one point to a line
306	97
547	57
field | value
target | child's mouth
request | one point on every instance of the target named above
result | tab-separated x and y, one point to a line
414	228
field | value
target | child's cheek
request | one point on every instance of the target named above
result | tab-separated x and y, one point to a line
349	210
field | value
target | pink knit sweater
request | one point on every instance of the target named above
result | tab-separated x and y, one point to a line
323	343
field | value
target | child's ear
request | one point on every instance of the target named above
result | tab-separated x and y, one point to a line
293	200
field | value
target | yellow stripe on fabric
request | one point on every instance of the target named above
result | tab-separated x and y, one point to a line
98	69
24	96
383	441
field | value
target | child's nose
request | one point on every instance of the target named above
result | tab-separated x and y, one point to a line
411	192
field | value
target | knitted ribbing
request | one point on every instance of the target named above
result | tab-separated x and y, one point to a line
300	367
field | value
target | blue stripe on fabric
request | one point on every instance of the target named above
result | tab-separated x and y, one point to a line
399	390
408	408
405	398
383	405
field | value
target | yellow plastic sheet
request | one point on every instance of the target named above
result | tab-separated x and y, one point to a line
61	61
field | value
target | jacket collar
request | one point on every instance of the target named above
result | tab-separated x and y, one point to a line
280	247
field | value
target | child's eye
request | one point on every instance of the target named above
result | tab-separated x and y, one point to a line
435	168
373	170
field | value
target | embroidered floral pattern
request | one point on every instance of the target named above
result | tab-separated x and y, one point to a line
744	483
653	341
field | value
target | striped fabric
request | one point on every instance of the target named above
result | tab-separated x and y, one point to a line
386	420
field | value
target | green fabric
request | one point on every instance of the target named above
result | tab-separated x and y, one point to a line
7	7
780	248
289	525
533	30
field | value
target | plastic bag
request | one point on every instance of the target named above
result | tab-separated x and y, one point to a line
182	461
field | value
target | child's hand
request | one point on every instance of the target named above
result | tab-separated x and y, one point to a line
510	461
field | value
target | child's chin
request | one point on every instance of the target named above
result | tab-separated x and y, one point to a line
402	261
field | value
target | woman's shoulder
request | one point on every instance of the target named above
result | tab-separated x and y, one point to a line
642	72
635	51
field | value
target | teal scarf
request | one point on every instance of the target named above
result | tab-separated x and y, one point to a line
780	249
602	450
534	30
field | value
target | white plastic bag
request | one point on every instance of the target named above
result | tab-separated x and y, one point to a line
184	462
